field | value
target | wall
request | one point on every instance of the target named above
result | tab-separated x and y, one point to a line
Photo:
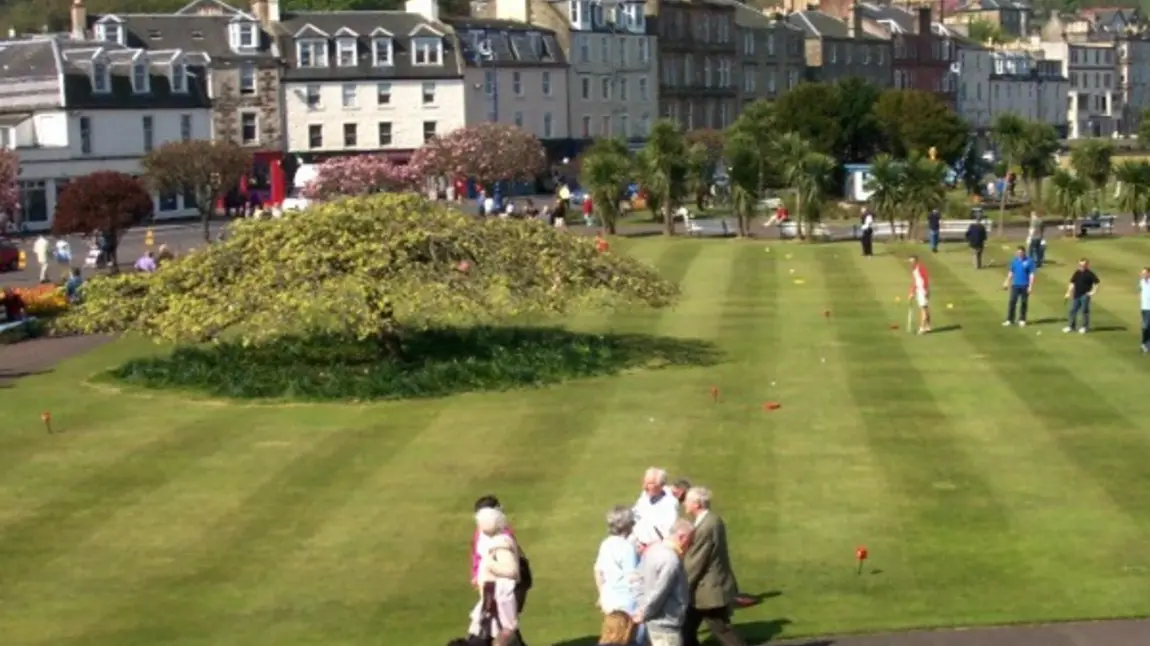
531	105
973	98
595	69
120	133
405	112
228	103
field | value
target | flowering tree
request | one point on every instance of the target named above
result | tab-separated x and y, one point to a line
357	175
487	152
105	200
9	193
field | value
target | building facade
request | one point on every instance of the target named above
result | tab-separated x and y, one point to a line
1012	16
1031	88
972	100
370	81
837	50
1095	105
70	107
770	55
698	55
922	57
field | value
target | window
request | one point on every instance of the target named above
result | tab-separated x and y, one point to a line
381	52
771	82
622	47
688	72
347	94
605	88
518	119
244	36
101	84
725	73
428	131
350	135
110	32
546	83
622	89
428	94
311	53
185	127
33	200
584	50
345	52
644	125
383	93
748	80
585	88
179	78
249	128
604	49
169	202
586	127
724	115
792	79
149	128
426	51
748	43
248	78
606	130
7	138
644	50
517	83
548	126
706	72
384	133
623	125
140	78
85	136
315	136
575	9
644	89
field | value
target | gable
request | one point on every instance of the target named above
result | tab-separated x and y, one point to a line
425	29
208	8
310	31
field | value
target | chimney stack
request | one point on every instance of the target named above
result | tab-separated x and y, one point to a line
429	9
855	25
260	11
923	21
79	20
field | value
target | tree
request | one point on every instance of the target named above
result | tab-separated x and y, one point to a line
209	169
1093	161
370	268
605	171
860	135
1035	150
812	112
1069	196
704	155
357	175
104	201
744	154
1134	187
662	170
888	187
925	187
809	173
917	121
1144	128
9	190
757	124
486	152
1008	134
984	31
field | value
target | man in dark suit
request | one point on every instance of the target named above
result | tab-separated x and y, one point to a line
710	579
976	236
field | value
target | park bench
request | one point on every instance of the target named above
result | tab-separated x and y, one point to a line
1101	223
789	230
885	230
949	229
697	227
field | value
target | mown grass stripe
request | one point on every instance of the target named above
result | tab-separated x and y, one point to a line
891	396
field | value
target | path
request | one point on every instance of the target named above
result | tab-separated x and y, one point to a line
1094	633
36	356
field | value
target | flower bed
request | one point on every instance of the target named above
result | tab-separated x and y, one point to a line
43	300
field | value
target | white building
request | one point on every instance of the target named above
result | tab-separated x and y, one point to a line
1095	104
71	107
363	81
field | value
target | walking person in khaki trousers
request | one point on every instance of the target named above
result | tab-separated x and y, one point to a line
709	575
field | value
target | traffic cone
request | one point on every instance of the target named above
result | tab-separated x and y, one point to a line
22	262
149	238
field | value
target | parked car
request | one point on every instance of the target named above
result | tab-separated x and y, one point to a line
9	256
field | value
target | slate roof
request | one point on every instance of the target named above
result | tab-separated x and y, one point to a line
751	18
400	25
994	5
37	61
895	19
816	24
506	42
207	34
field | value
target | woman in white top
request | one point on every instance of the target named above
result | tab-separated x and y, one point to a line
496	578
616	565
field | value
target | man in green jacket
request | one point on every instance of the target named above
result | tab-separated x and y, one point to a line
710	579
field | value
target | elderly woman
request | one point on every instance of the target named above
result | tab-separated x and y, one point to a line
616	564
496	615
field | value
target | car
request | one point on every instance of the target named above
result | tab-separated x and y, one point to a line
9	256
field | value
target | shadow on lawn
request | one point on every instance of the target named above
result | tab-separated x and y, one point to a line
435	363
756	633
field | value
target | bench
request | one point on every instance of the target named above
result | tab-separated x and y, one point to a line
1103	223
706	227
789	230
953	229
13	326
885	230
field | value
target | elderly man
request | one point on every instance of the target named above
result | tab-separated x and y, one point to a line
655	511
663	593
709	574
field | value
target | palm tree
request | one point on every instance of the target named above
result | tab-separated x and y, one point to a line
808	173
1134	187
1093	161
887	186
1069	196
1008	133
605	170
662	170
925	187
1037	148
742	152
700	172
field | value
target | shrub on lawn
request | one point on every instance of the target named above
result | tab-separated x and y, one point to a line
436	363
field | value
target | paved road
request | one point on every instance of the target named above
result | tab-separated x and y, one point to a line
1097	633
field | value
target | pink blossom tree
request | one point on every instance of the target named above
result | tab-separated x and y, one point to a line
358	175
486	153
9	193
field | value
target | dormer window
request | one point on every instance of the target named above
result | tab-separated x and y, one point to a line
111	32
426	51
382	52
346	52
634	19
244	35
580	12
311	52
101	78
179	78
140	78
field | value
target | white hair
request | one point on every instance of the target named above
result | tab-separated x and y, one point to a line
656	474
701	496
490	521
682	528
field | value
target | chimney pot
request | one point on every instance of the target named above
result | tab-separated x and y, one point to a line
79	20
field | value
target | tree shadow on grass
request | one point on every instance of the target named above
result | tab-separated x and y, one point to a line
755	633
436	363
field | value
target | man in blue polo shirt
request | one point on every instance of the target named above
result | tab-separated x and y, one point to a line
1144	285
1020	283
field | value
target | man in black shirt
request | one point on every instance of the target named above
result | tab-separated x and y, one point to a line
1081	289
976	237
934	225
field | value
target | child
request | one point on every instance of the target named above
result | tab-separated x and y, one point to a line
618	630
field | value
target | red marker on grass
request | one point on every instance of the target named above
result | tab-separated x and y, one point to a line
861	556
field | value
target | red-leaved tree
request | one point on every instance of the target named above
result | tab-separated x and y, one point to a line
9	193
486	153
106	201
357	175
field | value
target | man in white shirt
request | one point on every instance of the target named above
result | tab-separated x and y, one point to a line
41	248
866	233
656	510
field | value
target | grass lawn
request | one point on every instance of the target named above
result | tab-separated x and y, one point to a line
996	475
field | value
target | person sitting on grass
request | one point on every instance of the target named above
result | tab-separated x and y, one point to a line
146	263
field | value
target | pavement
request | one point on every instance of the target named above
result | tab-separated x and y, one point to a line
1132	632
